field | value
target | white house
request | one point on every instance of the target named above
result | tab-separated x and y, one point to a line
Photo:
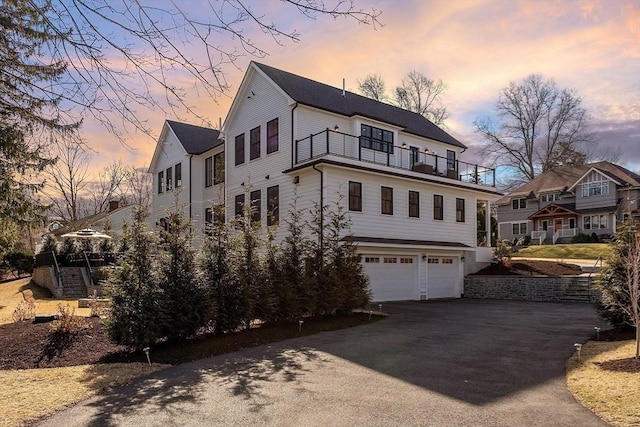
412	201
188	174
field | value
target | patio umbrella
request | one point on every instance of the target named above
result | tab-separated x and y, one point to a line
86	233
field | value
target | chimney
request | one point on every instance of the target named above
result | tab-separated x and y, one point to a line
343	88
113	205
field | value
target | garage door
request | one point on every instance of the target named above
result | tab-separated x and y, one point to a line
391	277
442	277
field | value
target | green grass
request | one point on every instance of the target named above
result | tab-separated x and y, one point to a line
573	251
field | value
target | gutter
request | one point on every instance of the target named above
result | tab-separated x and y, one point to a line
293	144
321	231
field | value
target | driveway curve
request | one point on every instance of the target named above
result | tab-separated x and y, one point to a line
454	363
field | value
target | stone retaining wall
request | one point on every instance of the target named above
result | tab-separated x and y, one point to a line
46	278
530	288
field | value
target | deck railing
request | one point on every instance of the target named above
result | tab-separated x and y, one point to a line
539	235
328	142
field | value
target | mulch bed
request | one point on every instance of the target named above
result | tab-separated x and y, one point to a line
26	345
531	268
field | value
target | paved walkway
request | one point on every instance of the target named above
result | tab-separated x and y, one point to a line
453	363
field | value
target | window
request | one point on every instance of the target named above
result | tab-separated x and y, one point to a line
519	204
376	139
178	175
256	203
239	149
239	205
596	188
447	260
390	260
594	222
273	205
519	228
414	155
355	196
433	261
254	143
272	136
414	204
169	177
451	160
160	182
386	197
406	260
208	221
372	260
438	207
219	214
218	168
460	215
549	197
208	172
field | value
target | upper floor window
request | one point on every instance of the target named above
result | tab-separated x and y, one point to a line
414	204
597	188
460	214
254	143
178	175
355	196
256	202
239	205
160	182
239	149
549	197
272	136
519	204
208	172
169	177
386	198
273	205
438	207
376	139
218	168
451	160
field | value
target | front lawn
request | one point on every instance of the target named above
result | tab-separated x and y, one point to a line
570	251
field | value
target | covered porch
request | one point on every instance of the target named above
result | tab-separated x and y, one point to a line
554	222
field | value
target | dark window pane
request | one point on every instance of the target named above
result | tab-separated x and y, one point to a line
178	174
208	172
355	196
239	211
273	205
438	207
387	200
254	143
160	182
414	204
460	214
218	168
169	177
272	136
239	150
255	205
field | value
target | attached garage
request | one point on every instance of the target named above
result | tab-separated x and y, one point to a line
392	277
443	277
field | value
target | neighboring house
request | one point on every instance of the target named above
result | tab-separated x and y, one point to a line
565	202
188	174
411	200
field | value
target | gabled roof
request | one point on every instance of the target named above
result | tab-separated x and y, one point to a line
564	178
195	139
319	95
555	210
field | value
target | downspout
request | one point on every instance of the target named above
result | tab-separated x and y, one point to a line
321	231
293	142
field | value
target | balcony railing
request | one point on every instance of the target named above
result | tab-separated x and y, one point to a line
340	144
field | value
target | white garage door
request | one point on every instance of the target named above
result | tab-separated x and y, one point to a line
392	277
442	277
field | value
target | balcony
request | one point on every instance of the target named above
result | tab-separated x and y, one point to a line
334	143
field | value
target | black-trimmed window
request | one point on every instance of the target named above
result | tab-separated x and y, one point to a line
239	205
519	204
272	136
208	221
519	228
256	203
169	177
208	172
239	149
254	143
160	182
376	139
451	160
218	168
355	196
386	200
414	204
438	207
178	175
460	214
273	205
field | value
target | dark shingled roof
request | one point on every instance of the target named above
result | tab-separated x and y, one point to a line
558	179
325	97
195	139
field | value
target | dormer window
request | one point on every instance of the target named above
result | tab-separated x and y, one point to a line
519	204
596	188
550	197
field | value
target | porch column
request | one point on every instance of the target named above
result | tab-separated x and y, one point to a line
487	220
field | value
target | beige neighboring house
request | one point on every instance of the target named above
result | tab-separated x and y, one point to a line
562	203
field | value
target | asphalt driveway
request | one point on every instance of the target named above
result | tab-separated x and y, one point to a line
453	363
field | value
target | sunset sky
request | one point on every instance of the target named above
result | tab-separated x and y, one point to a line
475	47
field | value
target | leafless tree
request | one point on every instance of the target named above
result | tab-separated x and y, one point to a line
373	87
138	186
422	95
67	180
124	56
110	186
416	93
540	127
